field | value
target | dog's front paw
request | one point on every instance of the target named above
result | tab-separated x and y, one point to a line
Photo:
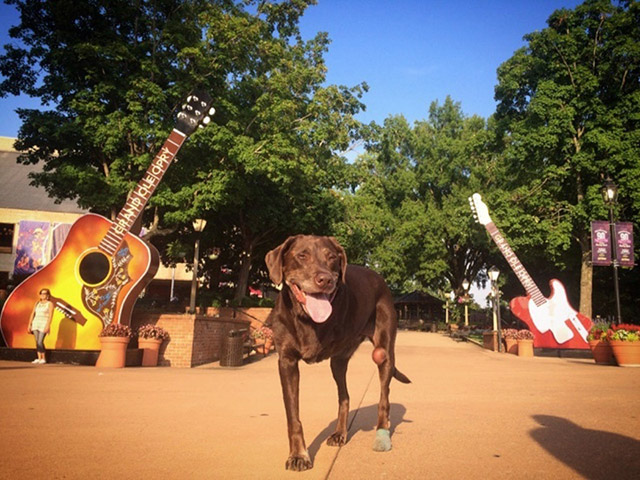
382	443
299	463
337	439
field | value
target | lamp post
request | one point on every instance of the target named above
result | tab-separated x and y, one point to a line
452	299
446	310
198	227
465	287
448	305
493	276
610	195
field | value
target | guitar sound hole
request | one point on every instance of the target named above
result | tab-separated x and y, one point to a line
94	268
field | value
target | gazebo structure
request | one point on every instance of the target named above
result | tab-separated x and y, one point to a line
417	308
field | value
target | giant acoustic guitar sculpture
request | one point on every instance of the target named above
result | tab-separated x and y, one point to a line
101	269
554	323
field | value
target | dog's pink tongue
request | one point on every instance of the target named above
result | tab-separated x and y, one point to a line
318	307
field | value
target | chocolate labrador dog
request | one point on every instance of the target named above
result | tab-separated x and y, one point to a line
325	310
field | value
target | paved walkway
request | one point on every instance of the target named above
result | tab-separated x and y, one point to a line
469	414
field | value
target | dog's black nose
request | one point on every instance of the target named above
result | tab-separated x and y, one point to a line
323	280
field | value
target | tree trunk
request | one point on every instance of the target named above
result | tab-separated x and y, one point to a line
243	276
586	278
586	269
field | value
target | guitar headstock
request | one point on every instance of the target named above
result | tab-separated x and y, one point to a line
195	112
479	209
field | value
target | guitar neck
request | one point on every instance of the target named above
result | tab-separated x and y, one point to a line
141	193
525	279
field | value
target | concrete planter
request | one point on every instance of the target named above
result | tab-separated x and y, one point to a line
113	353
490	340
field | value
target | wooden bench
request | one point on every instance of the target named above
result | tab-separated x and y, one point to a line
250	344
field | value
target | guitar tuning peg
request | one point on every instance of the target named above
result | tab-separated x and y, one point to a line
212	111
206	120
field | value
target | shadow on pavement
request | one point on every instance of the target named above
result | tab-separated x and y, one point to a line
17	368
362	419
594	454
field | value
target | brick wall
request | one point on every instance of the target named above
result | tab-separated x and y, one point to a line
193	339
257	316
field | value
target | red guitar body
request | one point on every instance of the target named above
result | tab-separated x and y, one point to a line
95	288
554	323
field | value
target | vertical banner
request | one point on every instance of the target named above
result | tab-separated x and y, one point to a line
31	252
601	243
59	235
624	244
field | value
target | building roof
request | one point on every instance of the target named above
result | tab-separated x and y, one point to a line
16	190
418	297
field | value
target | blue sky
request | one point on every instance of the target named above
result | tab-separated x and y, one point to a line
410	52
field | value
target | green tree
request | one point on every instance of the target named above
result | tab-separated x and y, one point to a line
269	166
410	212
112	74
569	110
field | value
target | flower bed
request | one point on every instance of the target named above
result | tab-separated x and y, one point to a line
624	332
152	331
116	330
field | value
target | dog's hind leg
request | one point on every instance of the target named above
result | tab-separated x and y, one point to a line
383	355
339	371
382	442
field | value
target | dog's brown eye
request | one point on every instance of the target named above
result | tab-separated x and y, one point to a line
302	256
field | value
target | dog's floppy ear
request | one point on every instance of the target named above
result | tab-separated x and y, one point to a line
275	258
343	256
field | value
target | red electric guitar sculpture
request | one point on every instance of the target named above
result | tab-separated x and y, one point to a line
101	269
552	320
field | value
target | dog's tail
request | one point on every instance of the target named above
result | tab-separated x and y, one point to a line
401	377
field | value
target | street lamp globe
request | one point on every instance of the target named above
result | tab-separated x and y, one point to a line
609	191
493	274
199	224
465	285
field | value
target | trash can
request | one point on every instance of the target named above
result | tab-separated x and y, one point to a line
232	349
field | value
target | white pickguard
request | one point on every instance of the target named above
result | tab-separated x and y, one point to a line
554	314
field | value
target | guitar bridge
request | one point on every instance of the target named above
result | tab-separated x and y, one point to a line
68	311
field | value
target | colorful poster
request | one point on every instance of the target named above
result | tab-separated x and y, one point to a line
600	243
31	252
624	244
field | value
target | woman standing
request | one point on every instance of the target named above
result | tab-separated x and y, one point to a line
40	322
